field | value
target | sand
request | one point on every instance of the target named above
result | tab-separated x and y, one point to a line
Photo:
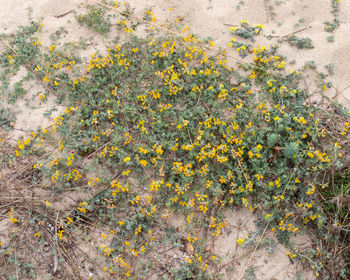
207	18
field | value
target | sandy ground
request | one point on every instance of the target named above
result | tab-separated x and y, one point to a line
207	18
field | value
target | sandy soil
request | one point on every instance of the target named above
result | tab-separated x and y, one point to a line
207	18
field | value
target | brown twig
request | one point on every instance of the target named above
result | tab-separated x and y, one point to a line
290	34
55	259
8	45
229	24
62	15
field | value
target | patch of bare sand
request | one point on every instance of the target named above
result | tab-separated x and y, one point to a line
30	111
269	261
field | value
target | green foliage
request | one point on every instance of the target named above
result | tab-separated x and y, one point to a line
300	43
7	118
337	204
56	36
330	68
250	274
96	19
330	39
331	26
18	91
291	150
246	31
157	127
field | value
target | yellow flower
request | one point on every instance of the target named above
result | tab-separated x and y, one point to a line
126	172
127	159
48	204
310	155
291	255
69	220
240	241
250	154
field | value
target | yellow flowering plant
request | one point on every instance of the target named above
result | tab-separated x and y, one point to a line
156	129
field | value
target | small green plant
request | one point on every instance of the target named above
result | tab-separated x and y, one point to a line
7	118
330	26
241	3
300	43
17	91
330	39
246	31
330	68
250	274
96	19
56	36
